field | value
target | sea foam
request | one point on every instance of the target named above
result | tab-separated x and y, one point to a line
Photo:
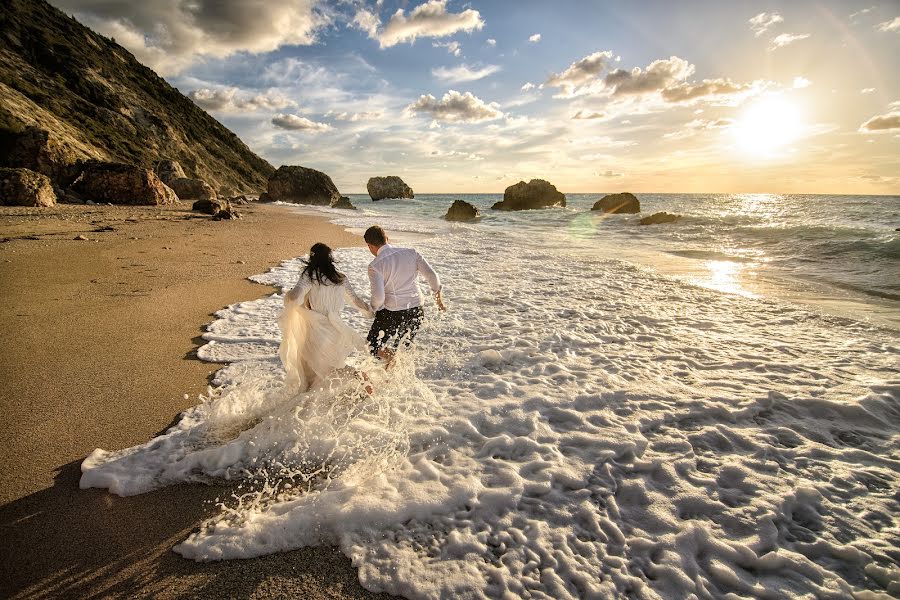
572	427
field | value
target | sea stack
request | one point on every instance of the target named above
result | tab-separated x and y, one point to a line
391	186
461	210
301	185
537	193
618	203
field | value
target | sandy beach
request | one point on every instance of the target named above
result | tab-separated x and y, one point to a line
100	336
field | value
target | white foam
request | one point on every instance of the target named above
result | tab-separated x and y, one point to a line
573	427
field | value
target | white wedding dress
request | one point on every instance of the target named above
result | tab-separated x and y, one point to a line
314	339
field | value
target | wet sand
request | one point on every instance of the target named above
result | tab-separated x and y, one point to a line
99	339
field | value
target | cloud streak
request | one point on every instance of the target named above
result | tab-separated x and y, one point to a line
786	39
464	73
763	22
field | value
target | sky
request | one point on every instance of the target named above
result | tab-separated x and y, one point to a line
467	97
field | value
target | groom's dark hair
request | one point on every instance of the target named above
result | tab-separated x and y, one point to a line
375	235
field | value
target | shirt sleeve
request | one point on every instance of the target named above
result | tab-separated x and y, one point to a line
350	295
428	273
376	281
298	293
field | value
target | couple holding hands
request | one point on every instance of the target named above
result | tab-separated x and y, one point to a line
316	341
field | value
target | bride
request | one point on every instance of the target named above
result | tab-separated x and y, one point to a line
315	341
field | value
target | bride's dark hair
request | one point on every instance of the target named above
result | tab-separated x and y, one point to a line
320	265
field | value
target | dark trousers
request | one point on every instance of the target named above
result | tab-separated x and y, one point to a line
393	327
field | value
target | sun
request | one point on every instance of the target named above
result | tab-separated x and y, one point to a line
768	126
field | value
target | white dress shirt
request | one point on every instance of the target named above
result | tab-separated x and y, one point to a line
393	278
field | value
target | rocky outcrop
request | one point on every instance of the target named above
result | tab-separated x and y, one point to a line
391	186
461	210
343	202
191	189
169	171
302	186
36	149
99	103
658	218
210	206
618	203
118	183
226	214
537	193
24	187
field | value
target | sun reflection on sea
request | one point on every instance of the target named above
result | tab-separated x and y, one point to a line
724	276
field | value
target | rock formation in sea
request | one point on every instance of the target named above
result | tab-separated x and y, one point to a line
301	185
119	183
658	218
461	210
70	95
24	187
391	186
537	193
624	202
343	202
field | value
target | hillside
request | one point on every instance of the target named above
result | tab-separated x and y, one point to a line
98	101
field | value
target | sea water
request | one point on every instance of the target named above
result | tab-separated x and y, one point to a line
705	408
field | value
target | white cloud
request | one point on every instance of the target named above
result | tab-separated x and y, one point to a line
528	87
491	42
785	39
801	82
452	47
367	21
664	80
534	39
660	75
578	76
170	35
867	91
230	99
892	25
464	73
430	19
886	122
456	108
295	123
763	21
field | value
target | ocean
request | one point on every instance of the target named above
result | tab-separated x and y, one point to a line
705	408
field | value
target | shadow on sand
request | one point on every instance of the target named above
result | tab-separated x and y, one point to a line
64	542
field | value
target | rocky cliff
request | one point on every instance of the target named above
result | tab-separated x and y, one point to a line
97	101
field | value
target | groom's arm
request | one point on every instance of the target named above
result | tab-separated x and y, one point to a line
376	281
432	278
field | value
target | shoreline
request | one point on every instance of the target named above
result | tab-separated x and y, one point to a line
103	335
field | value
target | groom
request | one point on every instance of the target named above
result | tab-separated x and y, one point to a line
395	295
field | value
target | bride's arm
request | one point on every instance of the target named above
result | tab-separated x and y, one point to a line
356	301
298	293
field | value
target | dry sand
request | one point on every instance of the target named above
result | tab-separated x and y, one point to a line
98	340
